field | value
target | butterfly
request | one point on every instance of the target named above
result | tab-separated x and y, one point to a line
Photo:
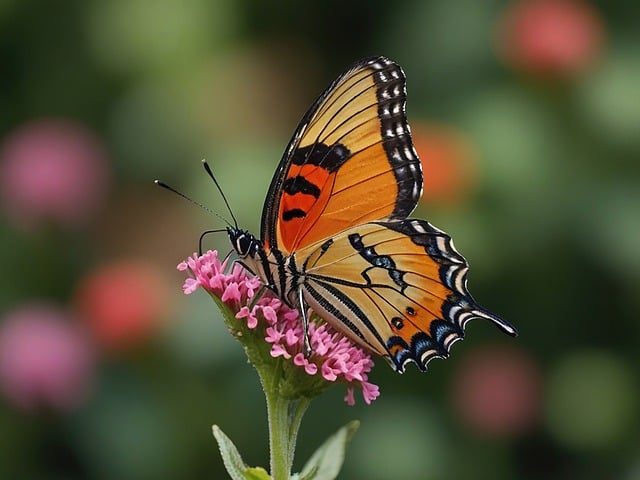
335	235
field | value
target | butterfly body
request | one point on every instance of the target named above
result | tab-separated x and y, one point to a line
335	236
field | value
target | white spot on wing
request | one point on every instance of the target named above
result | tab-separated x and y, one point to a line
418	227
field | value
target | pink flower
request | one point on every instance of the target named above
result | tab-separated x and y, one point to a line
52	170
45	359
333	356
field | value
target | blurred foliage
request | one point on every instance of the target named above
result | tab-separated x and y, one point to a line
549	219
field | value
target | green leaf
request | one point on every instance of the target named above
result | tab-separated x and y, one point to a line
326	462
233	461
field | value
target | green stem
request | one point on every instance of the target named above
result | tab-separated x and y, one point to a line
284	412
284	417
295	419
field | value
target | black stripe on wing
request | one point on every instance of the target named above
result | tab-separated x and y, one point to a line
389	82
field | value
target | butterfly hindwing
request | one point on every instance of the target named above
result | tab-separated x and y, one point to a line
350	161
399	287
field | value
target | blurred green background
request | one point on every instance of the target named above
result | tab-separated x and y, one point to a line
527	118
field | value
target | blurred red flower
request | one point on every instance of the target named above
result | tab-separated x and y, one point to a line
122	303
52	170
45	358
550	37
497	391
448	162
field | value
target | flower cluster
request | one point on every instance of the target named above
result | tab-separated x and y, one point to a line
333	355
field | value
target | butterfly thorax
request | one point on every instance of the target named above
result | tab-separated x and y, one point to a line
244	243
277	271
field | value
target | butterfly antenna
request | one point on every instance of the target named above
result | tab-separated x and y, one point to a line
189	199
224	197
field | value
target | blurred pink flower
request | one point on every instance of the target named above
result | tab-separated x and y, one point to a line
497	391
550	37
45	359
122	303
52	170
333	355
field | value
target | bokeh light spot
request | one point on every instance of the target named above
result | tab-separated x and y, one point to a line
122	303
46	360
591	400
143	36
609	100
496	391
401	439
550	37
52	170
448	162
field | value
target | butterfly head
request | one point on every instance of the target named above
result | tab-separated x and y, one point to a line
244	243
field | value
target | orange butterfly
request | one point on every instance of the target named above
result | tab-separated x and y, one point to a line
335	236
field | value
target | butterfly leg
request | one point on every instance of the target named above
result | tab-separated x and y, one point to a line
303	308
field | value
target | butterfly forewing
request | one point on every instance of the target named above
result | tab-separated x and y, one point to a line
350	161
